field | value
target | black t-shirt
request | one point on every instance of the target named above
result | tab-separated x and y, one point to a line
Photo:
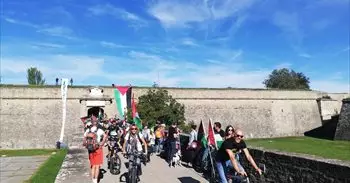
229	144
221	132
112	129
172	131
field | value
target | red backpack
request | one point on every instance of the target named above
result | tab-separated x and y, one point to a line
91	141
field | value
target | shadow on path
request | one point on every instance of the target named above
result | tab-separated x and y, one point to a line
188	180
101	174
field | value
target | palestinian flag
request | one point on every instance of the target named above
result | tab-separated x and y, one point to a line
201	136
84	119
214	139
135	115
211	135
122	96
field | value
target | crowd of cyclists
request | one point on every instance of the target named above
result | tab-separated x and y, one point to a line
121	136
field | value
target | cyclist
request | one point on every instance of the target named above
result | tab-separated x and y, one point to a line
227	156
133	142
113	136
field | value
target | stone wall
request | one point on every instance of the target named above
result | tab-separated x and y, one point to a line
343	128
31	117
330	107
283	167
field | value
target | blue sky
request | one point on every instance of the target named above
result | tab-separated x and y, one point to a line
189	43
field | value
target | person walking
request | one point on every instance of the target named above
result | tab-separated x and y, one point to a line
172	137
95	156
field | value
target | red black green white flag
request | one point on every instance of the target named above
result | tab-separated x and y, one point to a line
135	115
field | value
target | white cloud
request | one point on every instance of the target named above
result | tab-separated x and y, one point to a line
108	9
283	65
47	45
58	31
189	42
52	66
140	68
174	14
59	11
19	22
111	45
305	55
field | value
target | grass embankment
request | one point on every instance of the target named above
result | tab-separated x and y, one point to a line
26	152
306	145
48	171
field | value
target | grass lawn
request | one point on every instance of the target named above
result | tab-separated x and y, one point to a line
306	145
26	152
49	169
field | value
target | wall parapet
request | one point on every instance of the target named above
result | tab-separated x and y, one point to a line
293	167
178	93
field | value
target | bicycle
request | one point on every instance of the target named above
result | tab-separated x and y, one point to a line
134	166
114	159
233	176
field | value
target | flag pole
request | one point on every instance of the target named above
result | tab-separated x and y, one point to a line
64	86
211	158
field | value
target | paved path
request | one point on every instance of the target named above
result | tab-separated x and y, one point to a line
19	169
155	171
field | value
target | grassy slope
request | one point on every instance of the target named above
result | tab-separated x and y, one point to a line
49	170
306	145
26	152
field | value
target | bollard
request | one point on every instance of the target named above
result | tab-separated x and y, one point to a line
58	145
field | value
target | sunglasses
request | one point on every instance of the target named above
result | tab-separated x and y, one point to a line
133	128
241	136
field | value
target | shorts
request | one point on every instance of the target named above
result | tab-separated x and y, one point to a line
96	157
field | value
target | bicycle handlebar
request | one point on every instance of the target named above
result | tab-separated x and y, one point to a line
138	154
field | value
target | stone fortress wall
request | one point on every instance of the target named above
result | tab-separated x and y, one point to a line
31	117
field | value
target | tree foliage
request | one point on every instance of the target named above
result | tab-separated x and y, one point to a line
287	79
158	105
35	77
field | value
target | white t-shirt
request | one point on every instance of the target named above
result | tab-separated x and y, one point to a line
152	139
138	145
99	132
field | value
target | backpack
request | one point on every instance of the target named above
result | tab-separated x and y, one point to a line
91	141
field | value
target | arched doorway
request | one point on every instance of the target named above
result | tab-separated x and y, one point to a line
95	111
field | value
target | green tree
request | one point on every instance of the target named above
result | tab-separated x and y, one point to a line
157	104
35	77
287	79
129	115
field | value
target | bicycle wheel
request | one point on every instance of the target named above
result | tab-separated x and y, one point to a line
115	165
197	162
133	175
